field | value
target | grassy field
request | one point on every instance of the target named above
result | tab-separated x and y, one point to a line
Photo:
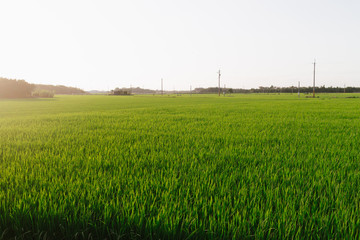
180	167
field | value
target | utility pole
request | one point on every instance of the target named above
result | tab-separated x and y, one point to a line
314	79
190	90
224	89
219	81
344	88
299	89
162	89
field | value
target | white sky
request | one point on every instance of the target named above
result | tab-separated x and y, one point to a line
103	44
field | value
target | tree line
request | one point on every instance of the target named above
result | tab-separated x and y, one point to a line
273	89
60	89
13	88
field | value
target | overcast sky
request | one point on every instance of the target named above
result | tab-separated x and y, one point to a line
103	44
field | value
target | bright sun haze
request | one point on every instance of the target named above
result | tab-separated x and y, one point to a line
106	44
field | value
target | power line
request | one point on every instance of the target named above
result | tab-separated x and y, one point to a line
219	81
162	89
298	89
314	79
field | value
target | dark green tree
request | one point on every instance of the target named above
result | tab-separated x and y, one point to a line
10	88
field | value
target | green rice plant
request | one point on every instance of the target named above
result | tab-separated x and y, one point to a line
199	167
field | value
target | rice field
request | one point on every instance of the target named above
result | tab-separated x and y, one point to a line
180	167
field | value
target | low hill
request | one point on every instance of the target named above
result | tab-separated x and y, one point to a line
98	92
60	89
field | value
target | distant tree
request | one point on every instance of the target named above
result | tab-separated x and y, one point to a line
43	94
118	91
10	88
